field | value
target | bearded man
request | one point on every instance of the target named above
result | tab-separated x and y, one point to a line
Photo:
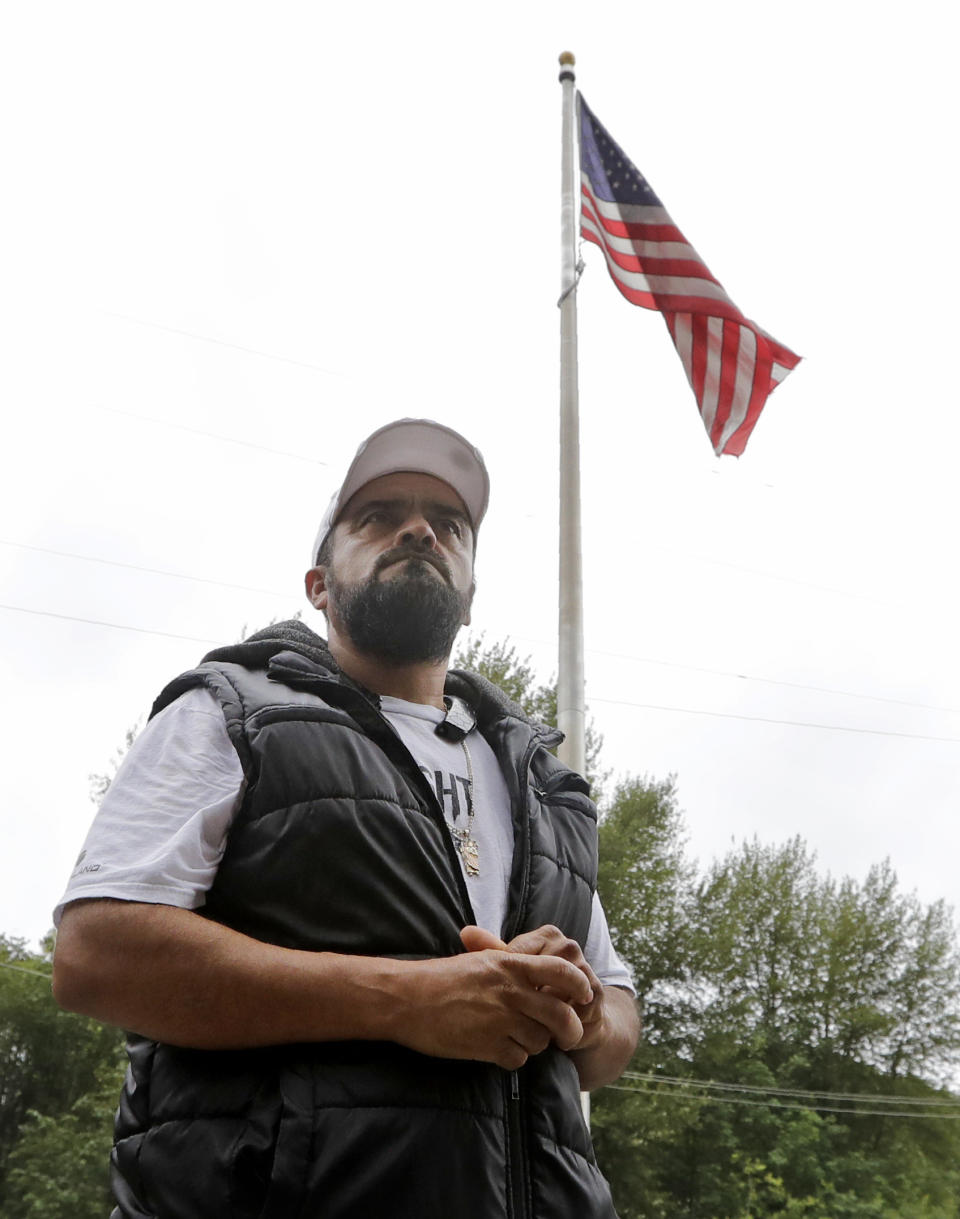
343	899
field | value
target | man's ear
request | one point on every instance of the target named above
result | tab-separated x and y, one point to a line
315	582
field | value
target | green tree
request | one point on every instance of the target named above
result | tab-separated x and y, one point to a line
501	664
755	923
801	982
646	886
49	1059
59	1167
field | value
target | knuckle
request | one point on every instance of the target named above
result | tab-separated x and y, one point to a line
513	1057
574	1023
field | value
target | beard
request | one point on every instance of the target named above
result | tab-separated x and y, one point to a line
412	618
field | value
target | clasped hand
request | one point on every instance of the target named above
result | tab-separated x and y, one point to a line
502	1002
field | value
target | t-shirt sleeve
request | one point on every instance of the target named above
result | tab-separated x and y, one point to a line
602	956
160	831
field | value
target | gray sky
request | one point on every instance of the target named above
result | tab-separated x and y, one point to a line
236	238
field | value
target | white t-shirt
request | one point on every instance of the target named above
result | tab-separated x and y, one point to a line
161	830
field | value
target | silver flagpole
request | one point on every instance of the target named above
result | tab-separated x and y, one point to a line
570	709
570	700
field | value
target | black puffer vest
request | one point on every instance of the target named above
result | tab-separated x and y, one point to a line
340	846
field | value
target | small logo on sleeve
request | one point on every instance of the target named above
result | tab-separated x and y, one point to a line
85	868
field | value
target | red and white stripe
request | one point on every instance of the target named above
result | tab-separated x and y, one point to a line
731	363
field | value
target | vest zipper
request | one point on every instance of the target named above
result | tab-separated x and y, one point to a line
517	1143
517	1152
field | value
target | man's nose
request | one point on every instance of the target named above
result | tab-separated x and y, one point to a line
417	531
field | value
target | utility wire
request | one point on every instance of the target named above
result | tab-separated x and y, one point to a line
153	571
770	575
765	719
772	1104
206	338
23	970
729	715
269	592
767	575
769	681
687	1081
772	681
182	427
116	626
650	660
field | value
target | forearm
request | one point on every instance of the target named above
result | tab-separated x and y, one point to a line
604	1059
177	977
174	976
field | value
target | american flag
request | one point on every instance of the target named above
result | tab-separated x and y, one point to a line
731	364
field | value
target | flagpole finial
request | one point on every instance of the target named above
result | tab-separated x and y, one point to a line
567	61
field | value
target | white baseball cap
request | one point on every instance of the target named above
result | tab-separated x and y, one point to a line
419	446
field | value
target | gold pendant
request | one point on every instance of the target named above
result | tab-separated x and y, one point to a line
469	850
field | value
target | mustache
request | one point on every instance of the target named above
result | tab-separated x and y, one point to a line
399	553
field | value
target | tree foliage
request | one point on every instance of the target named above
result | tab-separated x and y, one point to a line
773	976
54	1066
59	1167
501	664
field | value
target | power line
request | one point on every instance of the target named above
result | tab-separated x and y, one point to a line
764	719
875	1097
206	338
269	592
182	427
116	626
153	571
769	681
759	719
770	575
23	970
773	1104
772	681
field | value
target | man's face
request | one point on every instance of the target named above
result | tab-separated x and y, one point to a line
400	578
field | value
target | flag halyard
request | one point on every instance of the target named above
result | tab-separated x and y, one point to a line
731	363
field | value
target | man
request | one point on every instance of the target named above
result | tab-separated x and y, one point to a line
344	901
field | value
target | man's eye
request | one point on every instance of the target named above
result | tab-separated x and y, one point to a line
453	527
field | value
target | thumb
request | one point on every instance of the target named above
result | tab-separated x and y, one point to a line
475	939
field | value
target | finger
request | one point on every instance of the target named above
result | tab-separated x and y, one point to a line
547	941
561	1022
595	984
511	1056
593	1012
533	1036
476	939
565	981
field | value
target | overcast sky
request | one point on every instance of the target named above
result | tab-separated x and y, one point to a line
235	238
